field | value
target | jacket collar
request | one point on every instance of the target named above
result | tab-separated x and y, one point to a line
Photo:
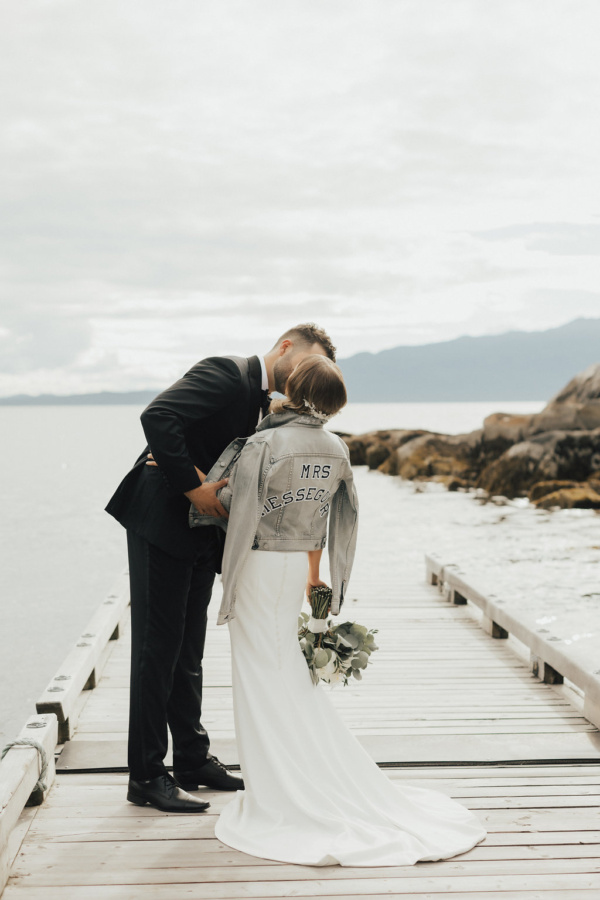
288	417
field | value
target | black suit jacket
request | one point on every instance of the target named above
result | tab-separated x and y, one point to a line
189	424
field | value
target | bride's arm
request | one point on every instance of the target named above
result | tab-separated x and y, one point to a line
314	559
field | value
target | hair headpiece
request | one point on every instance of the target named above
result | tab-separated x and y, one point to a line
316	412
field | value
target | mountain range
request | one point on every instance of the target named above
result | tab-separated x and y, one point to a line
515	365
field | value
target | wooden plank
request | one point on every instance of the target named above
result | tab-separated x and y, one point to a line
462	695
407	711
19	772
173	861
494	819
532	810
422	747
66	794
62	695
485	778
577	663
457	727
495	780
507	845
198	892
318	882
16	838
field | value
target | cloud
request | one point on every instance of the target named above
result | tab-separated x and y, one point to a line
34	338
562	238
555	302
186	178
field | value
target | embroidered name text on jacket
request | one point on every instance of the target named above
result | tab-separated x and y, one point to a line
290	488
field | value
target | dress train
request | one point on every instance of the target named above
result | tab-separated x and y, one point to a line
313	795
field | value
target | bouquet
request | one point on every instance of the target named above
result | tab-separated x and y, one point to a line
334	653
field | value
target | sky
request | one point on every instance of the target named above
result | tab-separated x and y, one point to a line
191	178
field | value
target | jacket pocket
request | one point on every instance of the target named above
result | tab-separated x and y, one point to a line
196	519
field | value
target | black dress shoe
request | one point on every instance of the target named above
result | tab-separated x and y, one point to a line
212	774
163	793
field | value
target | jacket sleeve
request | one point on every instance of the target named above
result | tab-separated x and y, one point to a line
343	530
207	387
247	484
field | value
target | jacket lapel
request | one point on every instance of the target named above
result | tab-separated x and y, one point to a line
254	376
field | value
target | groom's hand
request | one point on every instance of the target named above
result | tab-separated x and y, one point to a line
205	499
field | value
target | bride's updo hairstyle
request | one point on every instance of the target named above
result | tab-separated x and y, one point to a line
318	381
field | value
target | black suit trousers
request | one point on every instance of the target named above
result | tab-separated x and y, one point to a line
169	603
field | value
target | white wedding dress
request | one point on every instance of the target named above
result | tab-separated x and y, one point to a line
312	794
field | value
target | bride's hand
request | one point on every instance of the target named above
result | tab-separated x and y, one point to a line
151	462
311	583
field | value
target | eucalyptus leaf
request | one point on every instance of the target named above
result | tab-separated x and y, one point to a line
342	651
342	640
321	658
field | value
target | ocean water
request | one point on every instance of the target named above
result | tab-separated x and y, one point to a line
61	552
448	418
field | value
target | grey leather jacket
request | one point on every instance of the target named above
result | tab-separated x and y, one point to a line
288	483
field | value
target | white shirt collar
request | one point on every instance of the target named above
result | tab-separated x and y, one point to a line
265	377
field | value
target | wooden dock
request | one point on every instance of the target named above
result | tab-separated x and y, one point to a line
444	705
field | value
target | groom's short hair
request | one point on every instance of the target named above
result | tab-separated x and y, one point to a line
308	334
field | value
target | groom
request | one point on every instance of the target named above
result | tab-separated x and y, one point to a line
172	566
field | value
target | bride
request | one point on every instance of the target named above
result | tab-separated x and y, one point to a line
312	795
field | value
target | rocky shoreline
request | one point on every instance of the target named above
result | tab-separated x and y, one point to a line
551	457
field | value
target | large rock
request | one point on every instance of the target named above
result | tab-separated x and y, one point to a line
377	454
548	456
541	488
557	450
374	447
580	497
431	455
575	408
514	472
507	427
357	450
